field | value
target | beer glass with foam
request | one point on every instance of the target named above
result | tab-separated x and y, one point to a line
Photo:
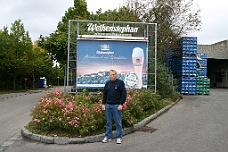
138	60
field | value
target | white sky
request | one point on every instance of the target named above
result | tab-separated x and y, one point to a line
214	21
42	16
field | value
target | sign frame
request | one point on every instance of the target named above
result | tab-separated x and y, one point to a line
113	31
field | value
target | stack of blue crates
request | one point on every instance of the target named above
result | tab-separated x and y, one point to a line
189	45
202	67
188	64
188	85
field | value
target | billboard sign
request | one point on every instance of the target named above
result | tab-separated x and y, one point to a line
96	57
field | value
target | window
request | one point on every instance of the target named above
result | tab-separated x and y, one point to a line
218	77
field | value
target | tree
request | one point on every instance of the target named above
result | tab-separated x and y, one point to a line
174	19
16	45
57	43
121	14
20	59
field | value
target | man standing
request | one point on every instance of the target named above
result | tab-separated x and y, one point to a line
113	99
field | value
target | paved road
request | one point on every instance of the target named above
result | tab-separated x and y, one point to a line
195	124
14	110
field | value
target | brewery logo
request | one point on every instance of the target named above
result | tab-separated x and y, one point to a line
106	28
105	47
131	79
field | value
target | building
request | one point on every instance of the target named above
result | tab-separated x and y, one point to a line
217	63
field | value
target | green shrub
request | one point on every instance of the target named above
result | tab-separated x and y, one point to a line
166	84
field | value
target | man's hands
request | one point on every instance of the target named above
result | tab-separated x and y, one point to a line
103	107
120	107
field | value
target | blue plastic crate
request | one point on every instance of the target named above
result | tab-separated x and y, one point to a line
188	38
189	46
202	55
189	51
203	62
187	85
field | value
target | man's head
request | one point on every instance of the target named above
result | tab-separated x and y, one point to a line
112	75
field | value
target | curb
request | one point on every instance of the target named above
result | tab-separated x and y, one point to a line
91	139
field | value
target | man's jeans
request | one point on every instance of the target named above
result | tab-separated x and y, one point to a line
113	112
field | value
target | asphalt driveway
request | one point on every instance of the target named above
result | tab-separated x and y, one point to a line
197	123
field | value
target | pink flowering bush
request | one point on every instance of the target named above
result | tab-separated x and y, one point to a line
81	114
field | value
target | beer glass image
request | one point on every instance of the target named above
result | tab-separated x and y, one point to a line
138	60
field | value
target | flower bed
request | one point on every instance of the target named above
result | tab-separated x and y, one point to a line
62	114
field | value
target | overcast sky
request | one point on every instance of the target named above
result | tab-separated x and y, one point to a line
42	16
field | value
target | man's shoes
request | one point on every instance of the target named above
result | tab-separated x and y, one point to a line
119	141
105	140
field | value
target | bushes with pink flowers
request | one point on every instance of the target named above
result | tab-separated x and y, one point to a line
62	114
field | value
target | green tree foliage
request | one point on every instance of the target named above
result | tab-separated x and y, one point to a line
57	43
16	45
20	59
121	14
43	63
166	85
